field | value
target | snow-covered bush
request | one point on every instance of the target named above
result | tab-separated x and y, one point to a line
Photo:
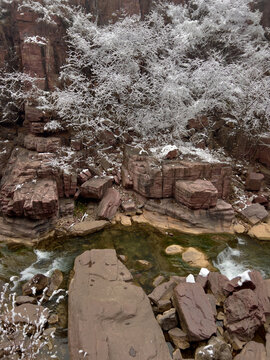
20	339
16	89
53	126
209	57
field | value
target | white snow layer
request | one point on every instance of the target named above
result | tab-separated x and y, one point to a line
244	277
190	279
204	272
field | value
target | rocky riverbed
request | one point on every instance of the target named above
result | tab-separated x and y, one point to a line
154	260
214	317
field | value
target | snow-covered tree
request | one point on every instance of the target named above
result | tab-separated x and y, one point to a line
209	57
16	89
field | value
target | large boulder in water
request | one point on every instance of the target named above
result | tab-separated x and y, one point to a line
109	317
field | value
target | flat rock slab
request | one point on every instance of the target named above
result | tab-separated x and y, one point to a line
216	219
260	231
195	311
254	213
109	317
198	194
88	227
36	200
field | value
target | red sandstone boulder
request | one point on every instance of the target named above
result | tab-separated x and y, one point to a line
84	176
198	194
36	200
95	188
109	317
262	200
252	351
162	292
244	314
36	285
261	290
151	179
109	204
31	181
251	280
168	320
129	207
145	175
171	154
41	144
254	213
69	184
217	284
219	174
254	181
195	311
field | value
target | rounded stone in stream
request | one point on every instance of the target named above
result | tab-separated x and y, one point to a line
174	249
195	257
144	264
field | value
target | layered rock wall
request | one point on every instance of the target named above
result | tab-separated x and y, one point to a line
154	179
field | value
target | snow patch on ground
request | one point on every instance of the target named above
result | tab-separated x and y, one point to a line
38	40
204	272
244	277
188	150
190	279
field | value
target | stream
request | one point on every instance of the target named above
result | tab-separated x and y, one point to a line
230	254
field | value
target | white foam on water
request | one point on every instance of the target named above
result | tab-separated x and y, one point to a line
29	272
42	255
34	269
241	241
60	263
228	263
